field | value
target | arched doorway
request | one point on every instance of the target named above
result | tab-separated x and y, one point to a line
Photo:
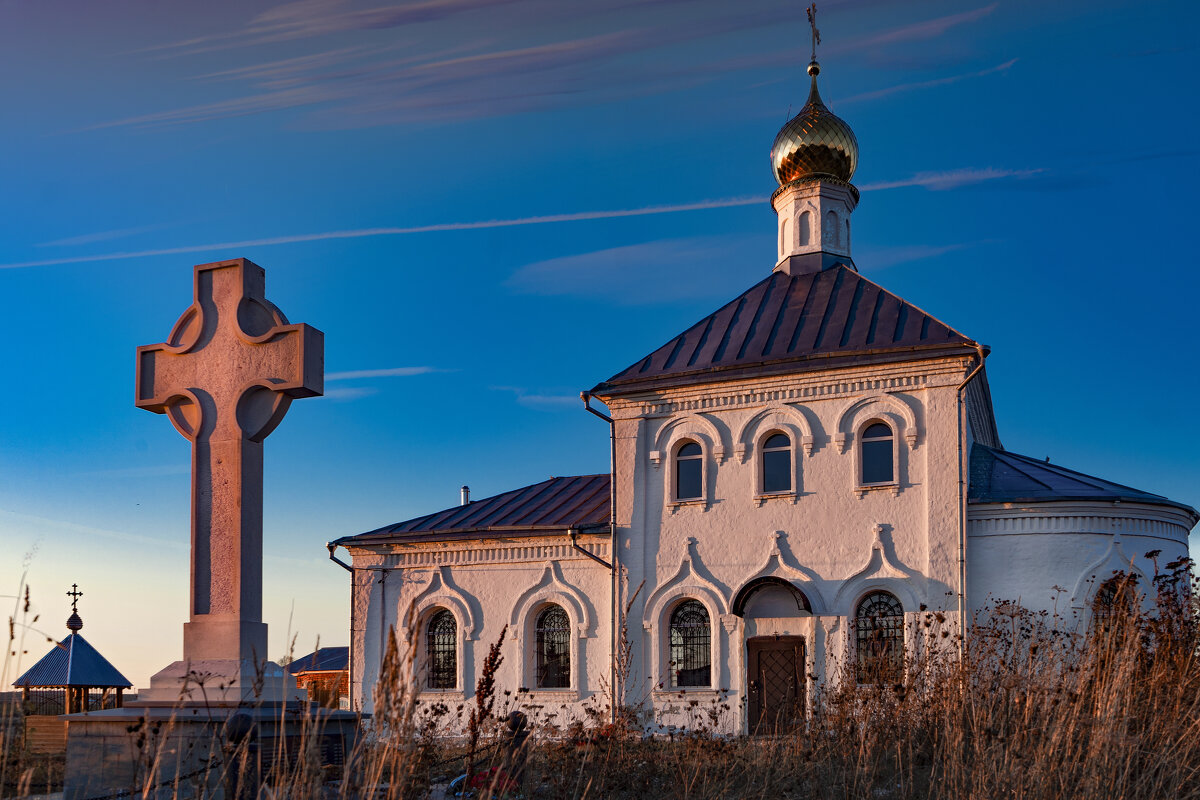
778	623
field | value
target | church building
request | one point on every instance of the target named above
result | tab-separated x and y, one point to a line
797	481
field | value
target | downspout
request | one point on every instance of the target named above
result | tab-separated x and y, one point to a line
383	571
962	509
614	615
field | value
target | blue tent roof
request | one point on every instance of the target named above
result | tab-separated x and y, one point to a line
73	662
324	660
998	476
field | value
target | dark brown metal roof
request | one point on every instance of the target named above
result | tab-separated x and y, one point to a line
998	476
557	504
824	317
73	662
327	659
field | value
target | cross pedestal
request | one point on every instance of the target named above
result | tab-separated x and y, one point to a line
225	378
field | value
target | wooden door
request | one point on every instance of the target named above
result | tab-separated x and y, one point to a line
777	684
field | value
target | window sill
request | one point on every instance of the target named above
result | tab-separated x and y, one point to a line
689	693
439	695
543	697
763	497
675	505
893	487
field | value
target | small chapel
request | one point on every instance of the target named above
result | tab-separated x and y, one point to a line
796	481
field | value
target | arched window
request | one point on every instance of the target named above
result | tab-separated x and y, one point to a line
1115	599
691	645
553	642
785	243
876	454
830	234
879	636
804	228
777	463
689	472
441	650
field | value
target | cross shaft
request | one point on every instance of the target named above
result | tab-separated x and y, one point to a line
225	378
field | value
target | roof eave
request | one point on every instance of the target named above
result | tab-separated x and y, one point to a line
466	534
614	388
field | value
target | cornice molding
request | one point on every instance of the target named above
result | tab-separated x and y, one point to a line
739	396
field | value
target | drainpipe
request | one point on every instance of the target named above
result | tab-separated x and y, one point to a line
614	604
383	571
962	510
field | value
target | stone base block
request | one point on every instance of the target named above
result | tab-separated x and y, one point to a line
220	682
194	751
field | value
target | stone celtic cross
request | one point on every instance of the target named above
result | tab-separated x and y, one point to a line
225	377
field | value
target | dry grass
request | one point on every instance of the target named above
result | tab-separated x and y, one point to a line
1034	711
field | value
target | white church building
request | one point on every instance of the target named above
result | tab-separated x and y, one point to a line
796	481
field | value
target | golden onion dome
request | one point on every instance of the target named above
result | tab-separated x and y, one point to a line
815	142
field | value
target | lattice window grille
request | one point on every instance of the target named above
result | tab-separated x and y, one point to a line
691	645
553	643
879	631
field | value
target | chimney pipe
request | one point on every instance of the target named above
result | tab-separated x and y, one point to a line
465	495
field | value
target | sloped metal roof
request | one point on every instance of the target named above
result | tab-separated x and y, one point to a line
324	660
825	317
73	662
556	504
998	476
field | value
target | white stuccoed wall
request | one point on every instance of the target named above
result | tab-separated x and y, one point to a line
1020	552
831	539
487	585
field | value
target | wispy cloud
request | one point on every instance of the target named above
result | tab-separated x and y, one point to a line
369	232
308	18
344	393
881	257
925	29
56	527
908	87
952	179
540	400
100	236
666	270
392	372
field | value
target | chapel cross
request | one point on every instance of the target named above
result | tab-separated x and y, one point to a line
74	594
225	378
816	34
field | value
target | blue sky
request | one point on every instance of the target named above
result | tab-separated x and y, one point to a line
488	206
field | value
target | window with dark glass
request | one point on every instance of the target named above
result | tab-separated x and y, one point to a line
441	650
1114	599
553	642
877	454
879	635
689	472
691	648
777	463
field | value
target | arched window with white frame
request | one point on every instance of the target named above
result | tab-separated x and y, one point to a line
879	639
552	640
689	471
776	463
441	650
877	454
691	645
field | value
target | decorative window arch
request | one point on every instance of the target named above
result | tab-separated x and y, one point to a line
830	231
775	463
877	454
690	640
879	639
441	650
687	473
552	646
